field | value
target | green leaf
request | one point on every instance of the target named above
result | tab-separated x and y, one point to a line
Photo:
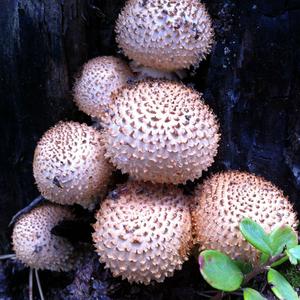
293	259
295	251
293	254
256	236
220	271
282	237
251	294
280	286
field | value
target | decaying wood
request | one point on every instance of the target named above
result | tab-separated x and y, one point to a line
251	80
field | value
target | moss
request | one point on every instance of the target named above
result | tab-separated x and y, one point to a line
292	274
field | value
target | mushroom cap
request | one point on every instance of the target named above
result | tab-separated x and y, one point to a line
69	164
36	246
143	232
161	131
165	34
225	199
99	78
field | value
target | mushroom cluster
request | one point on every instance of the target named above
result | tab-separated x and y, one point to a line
161	133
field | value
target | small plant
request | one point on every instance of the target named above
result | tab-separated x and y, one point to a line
230	276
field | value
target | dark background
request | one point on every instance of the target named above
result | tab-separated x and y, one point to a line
251	80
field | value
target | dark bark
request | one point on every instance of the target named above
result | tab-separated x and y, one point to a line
43	45
253	83
251	80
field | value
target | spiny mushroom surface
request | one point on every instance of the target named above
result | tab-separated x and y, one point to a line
165	34
161	131
99	78
143	232
36	246
225	199
69	164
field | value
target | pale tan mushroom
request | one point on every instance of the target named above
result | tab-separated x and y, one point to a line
143	232
35	245
221	203
100	77
167	35
161	131
69	165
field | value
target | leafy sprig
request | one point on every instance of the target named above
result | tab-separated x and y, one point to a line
228	275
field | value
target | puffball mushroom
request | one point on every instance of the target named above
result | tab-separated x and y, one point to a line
69	164
143	232
225	199
161	131
99	78
36	246
165	34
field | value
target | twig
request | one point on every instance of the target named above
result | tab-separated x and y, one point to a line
203	295
97	10
218	296
264	287
39	284
6	256
207	294
27	209
31	284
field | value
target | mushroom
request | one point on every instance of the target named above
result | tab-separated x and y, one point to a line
161	131
99	78
167	35
69	165
143	232
36	247
221	203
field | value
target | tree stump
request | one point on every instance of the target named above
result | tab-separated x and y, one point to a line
251	80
